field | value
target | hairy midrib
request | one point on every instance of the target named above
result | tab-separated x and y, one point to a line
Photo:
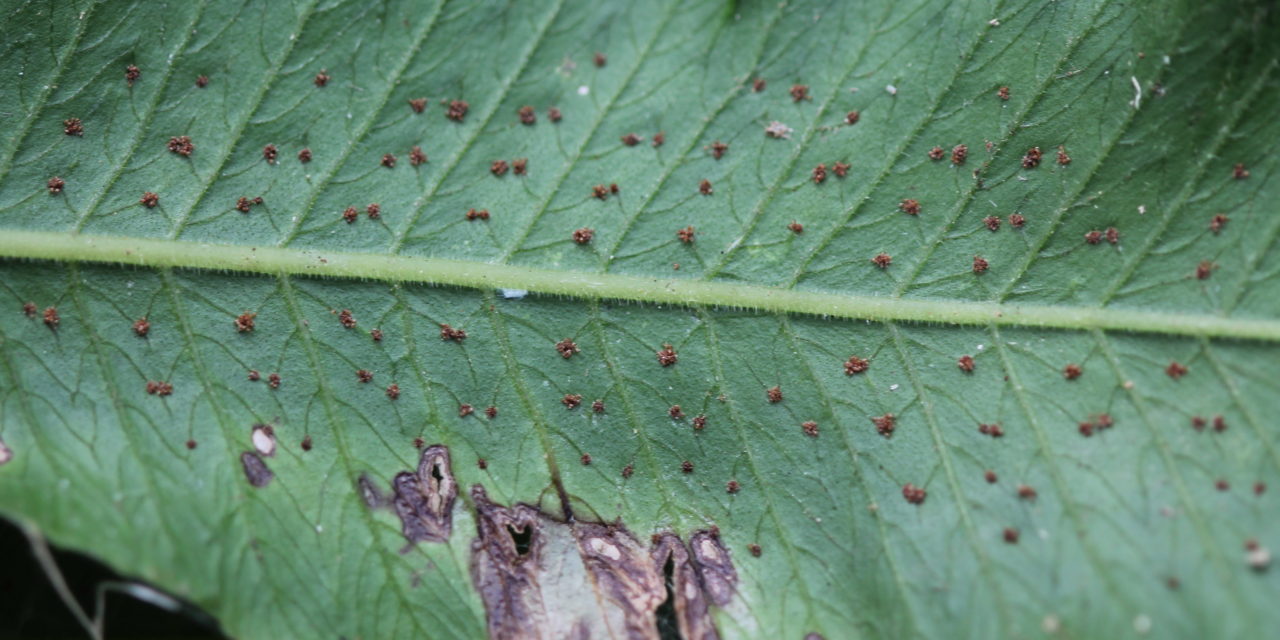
66	247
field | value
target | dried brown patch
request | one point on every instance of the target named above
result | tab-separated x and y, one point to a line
424	498
255	470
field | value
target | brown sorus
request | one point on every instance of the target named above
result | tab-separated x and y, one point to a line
254	376
757	85
132	73
583	235
810	428
498	167
796	227
350	214
243	204
699	422
936	154
1011	535
322	78
910	206
686	235
597	406
376	334
571	400
491	412
1221	484
191	444
1113	235
465	410
417	156
686	466
852	117
304	156
347	320
388	160
732	486
554	115
449	333
627	471
1175	370
659	138
273	381
141	327
882	260
600	59
990	476
1239	172
1003	93
980	264
1217	222
73	127
149	199
773	394
419	442
269	153
704	187
1026	493
202	81
477	214
1017	220
675	412
160	388
992	223
959	153
364	375
181	145
1085	428
1205	269
856	365
820	174
527	116
1104	421
965	363
306	443
245	322
799	92
885	424
520	166
1198	423
1063	158
994	430
754	549
600	192
1072	371
613	188
374	211
586	459
913	494
1219	424
667	356
567	348
457	110
841	169
1032	158
718	149
29	309
51	317
631	139
1093	237
418	104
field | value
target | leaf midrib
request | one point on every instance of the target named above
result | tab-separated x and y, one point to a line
158	253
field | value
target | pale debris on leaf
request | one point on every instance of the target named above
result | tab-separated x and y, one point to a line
778	130
1259	559
264	439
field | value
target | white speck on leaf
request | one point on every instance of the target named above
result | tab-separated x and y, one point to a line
778	130
514	294
893	91
584	90
1137	92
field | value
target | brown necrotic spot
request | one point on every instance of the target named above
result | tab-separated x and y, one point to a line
600	192
989	476
599	59
936	154
659	138
758	85
482	463
1219	424
994	430
554	114
306	443
583	235
1063	158
820	174
491	412
449	333
159	388
1112	234
73	127
627	471
1239	172
373	210
686	467
718	149
191	444
586	459
1205	269
687	234
1026	492
350	215
254	376
424	498
520	166
29	309
1217	222
1093	237
141	327
732	486
1011	535
631	139
55	185
255	470
476	214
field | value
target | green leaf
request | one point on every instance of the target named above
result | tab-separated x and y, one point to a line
1149	524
